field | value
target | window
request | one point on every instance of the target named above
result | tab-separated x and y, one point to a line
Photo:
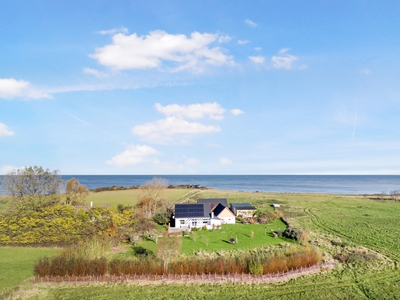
194	223
182	222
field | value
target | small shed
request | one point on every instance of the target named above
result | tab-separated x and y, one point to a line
243	209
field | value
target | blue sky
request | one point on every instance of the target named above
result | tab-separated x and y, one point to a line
200	87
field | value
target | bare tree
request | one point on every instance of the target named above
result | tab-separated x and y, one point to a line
33	187
75	192
168	248
152	197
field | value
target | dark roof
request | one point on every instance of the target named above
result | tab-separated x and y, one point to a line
192	211
217	210
213	202
240	204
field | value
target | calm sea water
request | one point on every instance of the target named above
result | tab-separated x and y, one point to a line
333	184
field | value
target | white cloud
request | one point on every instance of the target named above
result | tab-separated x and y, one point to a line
225	161
236	112
192	111
250	23
257	59
284	60
133	155
224	39
6	169
258	48
191	162
243	42
159	48
4	131
114	31
12	88
94	72
162	131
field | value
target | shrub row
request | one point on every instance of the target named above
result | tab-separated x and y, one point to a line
254	264
61	225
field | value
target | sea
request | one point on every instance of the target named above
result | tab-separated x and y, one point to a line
329	184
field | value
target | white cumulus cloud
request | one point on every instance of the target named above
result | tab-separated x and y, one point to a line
133	155
225	161
250	23
164	130
192	111
257	59
159	48
236	112
94	72
12	88
5	131
283	60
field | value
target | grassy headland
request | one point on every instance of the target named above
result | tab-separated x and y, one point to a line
362	235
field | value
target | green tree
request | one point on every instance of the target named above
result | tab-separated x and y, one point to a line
32	188
75	192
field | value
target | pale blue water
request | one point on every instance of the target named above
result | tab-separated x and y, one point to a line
333	184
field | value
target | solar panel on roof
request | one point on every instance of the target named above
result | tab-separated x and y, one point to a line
189	210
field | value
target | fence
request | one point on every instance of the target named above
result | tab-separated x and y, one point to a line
191	278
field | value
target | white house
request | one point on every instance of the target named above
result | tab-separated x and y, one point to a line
189	216
225	214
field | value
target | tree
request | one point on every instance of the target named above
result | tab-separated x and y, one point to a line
152	197
33	187
168	248
75	192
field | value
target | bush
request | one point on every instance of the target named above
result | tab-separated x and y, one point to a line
293	233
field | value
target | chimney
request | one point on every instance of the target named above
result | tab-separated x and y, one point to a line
212	215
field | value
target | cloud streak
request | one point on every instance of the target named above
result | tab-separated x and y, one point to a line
94	72
113	31
250	23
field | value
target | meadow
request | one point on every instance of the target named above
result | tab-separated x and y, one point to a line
360	232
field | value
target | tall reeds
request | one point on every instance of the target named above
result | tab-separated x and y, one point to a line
257	262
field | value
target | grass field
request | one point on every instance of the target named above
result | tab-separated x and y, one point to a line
130	197
16	263
335	223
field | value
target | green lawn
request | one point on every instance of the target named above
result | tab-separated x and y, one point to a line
16	263
219	239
